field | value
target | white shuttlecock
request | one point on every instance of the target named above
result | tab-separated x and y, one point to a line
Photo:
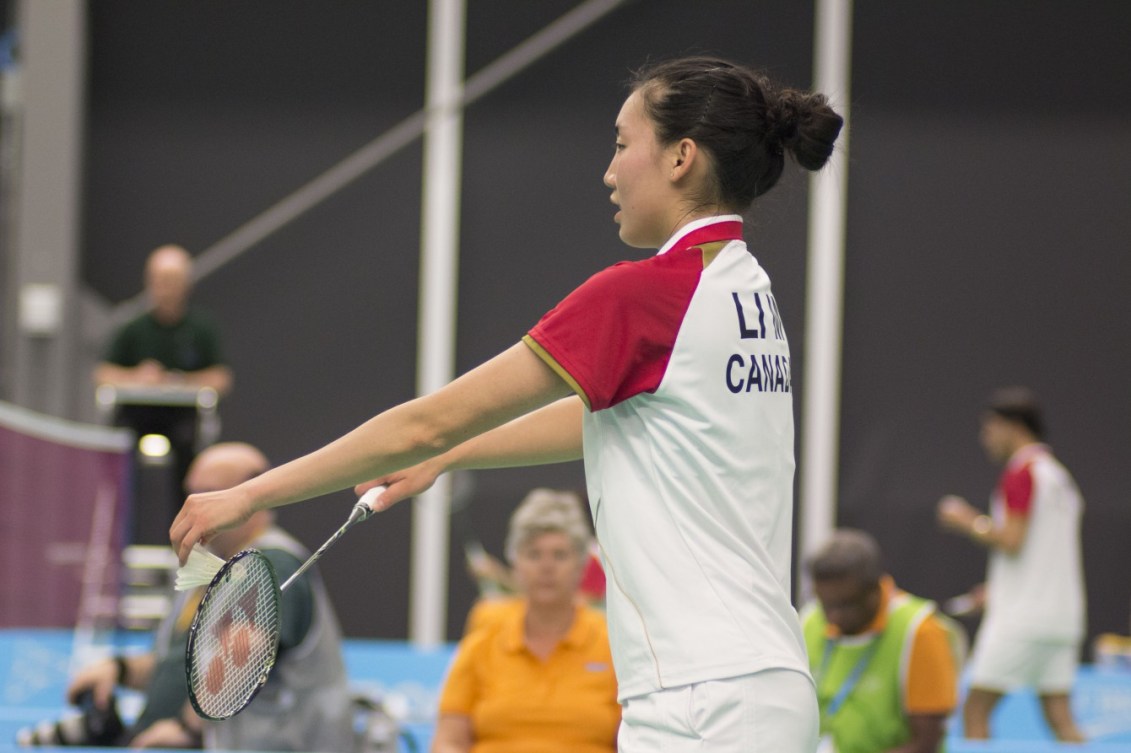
199	570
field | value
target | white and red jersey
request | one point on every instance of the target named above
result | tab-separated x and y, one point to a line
1038	592
683	361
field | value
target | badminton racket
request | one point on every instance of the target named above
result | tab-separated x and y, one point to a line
234	638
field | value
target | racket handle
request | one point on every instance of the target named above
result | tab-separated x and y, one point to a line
364	506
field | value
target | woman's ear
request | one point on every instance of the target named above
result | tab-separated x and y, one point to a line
683	156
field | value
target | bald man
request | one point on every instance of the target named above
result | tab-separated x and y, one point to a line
305	704
171	345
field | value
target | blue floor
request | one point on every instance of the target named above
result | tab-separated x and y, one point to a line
35	665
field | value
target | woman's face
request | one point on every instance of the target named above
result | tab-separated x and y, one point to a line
548	569
638	175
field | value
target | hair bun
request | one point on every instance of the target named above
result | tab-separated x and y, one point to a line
805	125
741	118
782	120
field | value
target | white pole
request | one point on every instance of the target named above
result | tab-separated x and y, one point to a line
824	296
439	265
445	95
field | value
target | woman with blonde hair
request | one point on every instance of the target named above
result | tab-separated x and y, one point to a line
537	675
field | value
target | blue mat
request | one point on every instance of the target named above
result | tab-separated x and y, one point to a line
35	666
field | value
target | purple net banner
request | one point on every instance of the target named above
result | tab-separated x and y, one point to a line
64	498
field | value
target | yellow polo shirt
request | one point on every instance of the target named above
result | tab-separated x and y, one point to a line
519	703
488	610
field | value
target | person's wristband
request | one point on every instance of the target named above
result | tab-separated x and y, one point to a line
982	525
123	669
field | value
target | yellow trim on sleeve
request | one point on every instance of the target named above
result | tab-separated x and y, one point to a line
557	367
711	250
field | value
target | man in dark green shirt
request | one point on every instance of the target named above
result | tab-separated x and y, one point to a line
169	346
171	343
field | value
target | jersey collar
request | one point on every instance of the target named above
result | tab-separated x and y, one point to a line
1024	455
725	227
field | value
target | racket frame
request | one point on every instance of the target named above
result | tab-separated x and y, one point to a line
193	632
361	511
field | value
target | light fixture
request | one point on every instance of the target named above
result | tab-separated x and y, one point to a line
153	445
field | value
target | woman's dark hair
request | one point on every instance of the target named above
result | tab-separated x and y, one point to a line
1020	405
740	118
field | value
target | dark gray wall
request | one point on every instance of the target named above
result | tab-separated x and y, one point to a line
986	237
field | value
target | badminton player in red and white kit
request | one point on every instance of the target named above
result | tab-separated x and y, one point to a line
1035	604
670	376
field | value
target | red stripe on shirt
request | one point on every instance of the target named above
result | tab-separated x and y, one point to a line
1017	489
615	333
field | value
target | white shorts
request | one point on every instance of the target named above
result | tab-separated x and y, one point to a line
1002	664
774	711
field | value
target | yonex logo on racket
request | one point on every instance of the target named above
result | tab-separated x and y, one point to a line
235	637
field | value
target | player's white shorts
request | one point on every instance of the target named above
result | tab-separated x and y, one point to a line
774	711
1002	663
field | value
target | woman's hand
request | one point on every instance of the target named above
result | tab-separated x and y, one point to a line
402	484
956	513
204	514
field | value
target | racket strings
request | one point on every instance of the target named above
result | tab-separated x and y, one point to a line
235	638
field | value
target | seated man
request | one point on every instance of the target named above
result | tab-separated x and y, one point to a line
305	704
886	663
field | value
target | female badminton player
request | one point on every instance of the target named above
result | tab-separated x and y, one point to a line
670	376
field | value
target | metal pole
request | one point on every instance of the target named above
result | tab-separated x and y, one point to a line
445	97
824	297
439	267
